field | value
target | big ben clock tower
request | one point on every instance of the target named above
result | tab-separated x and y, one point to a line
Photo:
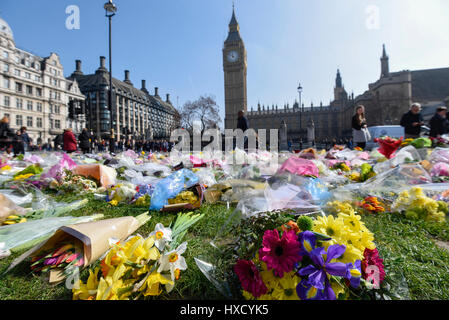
234	66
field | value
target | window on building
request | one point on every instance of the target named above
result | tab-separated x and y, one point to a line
19	121
6	115
18	87
17	72
39	92
29	121
37	66
5	54
17	59
30	105
39	122
27	75
6	83
5	67
27	63
51	109
58	124
19	103
29	90
39	107
57	109
6	101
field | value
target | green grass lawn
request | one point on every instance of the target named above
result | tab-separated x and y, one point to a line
418	266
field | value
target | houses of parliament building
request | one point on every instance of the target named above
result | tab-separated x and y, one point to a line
385	101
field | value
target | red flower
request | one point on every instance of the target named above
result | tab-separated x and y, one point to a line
372	259
388	146
280	254
250	278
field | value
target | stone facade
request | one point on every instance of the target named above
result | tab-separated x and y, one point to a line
135	114
34	92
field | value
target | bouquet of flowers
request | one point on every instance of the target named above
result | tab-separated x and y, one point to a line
83	243
122	192
388	146
140	266
331	260
366	173
416	205
372	205
72	183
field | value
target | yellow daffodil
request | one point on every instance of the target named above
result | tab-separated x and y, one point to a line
87	291
6	168
153	282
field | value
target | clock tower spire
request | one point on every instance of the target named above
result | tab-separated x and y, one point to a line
234	67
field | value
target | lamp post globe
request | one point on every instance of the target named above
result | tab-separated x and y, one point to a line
110	7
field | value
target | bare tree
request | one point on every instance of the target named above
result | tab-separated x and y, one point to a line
205	110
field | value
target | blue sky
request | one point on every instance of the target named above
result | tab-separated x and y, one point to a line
176	44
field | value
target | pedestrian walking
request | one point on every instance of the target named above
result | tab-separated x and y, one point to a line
439	123
360	131
84	141
412	122
18	144
69	141
6	134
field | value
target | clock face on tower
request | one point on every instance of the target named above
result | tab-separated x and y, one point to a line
233	56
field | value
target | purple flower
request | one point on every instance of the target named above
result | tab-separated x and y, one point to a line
306	291
307	239
354	273
317	285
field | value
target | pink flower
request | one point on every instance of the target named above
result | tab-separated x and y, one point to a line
372	259
280	254
250	278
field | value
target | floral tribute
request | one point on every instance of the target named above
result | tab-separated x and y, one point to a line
140	267
327	258
388	146
417	206
372	205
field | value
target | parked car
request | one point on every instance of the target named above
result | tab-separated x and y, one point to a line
390	131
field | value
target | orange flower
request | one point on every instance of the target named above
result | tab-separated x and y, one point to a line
291	225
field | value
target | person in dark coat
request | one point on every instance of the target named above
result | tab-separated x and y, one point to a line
359	127
412	122
69	141
439	124
26	138
18	144
58	142
242	122
6	134
112	142
84	139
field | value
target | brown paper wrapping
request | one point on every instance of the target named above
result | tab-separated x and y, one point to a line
9	208
92	236
105	175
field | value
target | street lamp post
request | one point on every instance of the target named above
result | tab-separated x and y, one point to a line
300	107
111	9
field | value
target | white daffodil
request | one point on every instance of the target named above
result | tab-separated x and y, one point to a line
162	235
174	261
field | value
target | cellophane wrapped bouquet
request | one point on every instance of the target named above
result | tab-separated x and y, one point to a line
140	267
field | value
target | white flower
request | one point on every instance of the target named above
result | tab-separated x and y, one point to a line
174	261
162	235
